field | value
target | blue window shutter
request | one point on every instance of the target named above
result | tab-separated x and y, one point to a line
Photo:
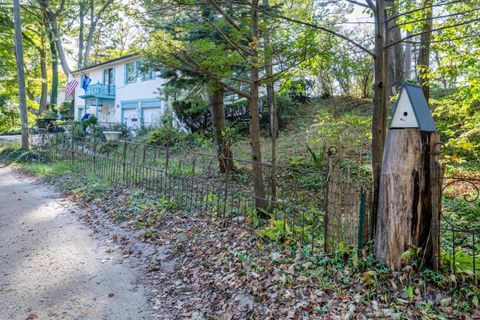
136	70
126	74
154	73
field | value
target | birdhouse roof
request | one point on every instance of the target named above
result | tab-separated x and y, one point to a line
419	104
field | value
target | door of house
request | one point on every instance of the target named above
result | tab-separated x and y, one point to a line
130	117
109	79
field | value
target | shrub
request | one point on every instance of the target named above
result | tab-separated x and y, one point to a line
287	110
90	122
167	135
66	110
21	155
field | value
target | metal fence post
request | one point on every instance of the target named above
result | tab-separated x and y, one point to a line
94	154
227	175
73	152
361	222
332	151
124	159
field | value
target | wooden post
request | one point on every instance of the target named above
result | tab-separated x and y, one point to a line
410	184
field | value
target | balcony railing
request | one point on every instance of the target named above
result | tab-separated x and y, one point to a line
100	90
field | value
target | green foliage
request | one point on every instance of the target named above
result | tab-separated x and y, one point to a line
457	120
166	136
66	110
288	109
9	112
278	230
462	263
348	132
48	114
194	115
12	153
91	122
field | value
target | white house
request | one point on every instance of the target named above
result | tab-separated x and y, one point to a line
122	90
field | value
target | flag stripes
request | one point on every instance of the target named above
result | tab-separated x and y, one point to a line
71	87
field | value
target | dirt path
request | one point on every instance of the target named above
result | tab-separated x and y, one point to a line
52	267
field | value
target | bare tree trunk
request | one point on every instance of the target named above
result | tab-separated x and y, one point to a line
366	84
395	53
408	58
272	106
53	27
21	75
218	123
91	31
81	34
257	170
408	210
44	73
94	18
379	117
423	63
54	86
60	52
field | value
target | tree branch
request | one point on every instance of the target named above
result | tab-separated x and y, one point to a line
315	26
232	43
371	5
102	9
432	30
394	17
433	18
60	8
358	3
225	15
186	59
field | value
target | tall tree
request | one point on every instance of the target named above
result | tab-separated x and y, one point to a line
22	97
423	62
217	111
395	53
51	16
54	61
272	103
94	17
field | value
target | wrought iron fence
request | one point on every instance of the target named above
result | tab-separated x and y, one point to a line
460	224
322	206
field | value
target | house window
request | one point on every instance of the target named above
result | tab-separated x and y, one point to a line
131	73
108	76
147	72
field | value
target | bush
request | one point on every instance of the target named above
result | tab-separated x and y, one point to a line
299	88
90	122
167	135
20	155
66	110
458	121
287	110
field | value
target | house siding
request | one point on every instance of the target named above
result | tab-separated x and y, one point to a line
150	106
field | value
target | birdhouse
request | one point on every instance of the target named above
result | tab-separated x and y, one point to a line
412	111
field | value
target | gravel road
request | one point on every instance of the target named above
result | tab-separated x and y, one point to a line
53	267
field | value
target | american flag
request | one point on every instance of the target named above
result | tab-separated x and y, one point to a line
71	85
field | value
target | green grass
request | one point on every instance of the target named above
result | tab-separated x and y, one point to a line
52	169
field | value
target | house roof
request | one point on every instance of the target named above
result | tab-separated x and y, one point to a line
107	62
419	105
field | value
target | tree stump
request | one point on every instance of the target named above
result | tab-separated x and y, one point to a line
408	208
